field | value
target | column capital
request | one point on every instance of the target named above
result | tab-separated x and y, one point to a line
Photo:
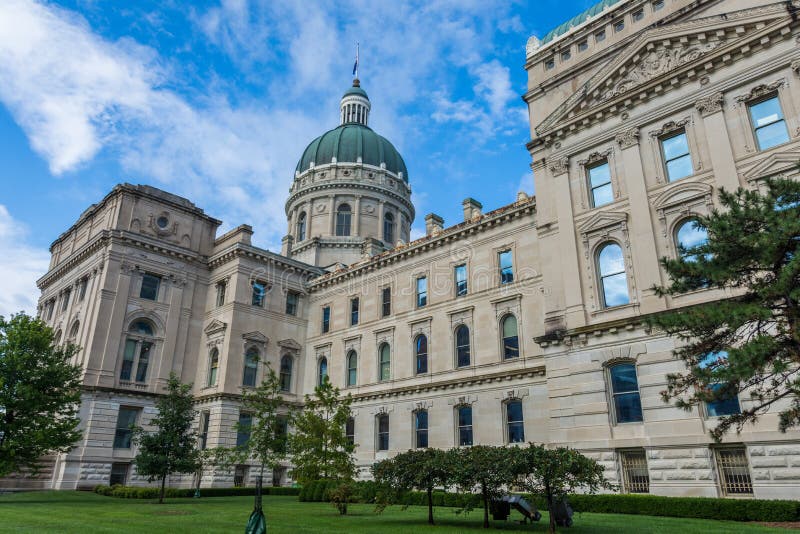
627	138
710	104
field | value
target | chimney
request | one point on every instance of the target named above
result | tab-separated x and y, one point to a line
472	208
433	224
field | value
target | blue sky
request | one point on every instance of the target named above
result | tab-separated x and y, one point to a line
216	100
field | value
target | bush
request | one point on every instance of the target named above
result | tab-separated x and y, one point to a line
694	507
128	492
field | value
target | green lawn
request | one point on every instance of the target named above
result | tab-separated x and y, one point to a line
89	513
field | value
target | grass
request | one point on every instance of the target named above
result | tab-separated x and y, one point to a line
68	512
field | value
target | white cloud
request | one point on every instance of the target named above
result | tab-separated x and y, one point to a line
22	265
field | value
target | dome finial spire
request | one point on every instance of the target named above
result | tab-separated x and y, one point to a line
355	68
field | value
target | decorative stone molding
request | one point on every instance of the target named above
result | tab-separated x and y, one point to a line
626	353
710	104
559	166
628	138
596	157
352	343
385	336
421	405
795	66
681	201
462	400
215	328
421	326
290	345
603	227
671	126
462	316
254	339
760	90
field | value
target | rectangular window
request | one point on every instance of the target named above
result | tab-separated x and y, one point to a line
599	178
506	267
205	418
127	360
354	311
600	36
565	55
514	420
291	303
549	64
125	420
350	430
281	433
149	289
259	293
734	472
637	15
625	390
461	280
677	159
220	300
144	361
619	25
768	123
240	476
326	319
383	432
635	477
465	426
386	301
658	4
583	45
243	429
723	407
422	292
51	305
421	429
82	289
65	300
119	474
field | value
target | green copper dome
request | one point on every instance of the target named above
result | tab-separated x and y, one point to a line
356	90
349	142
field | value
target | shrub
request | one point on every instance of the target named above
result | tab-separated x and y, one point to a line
128	492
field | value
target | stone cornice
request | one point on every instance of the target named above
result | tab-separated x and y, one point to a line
489	220
454	383
351	186
240	250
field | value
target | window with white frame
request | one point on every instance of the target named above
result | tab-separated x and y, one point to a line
354	305
220	299
460	276
259	293
599	179
508	326
677	159
251	358
462	346
382	432
464	422
515	424
343	215
352	368
287	363
726	401
422	291
625	393
138	348
421	354
421	429
126	419
613	279
213	367
506	264
322	371
769	126
384	362
688	236
301	226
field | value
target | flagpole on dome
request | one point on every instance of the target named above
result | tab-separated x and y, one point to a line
356	82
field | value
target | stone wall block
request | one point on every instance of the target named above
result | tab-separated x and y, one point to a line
786	474
693	464
779	450
663	464
677	453
679	475
769	461
756	451
761	474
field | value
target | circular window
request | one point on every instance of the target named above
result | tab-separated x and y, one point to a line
162	221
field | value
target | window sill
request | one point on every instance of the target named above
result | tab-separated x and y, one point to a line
630	305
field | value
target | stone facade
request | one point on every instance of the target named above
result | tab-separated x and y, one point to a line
500	329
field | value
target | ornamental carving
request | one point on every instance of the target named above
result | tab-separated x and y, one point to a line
670	126
595	157
559	166
710	104
628	138
659	62
761	90
795	66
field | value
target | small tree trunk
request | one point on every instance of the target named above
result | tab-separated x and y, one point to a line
485	506
430	506
550	511
163	484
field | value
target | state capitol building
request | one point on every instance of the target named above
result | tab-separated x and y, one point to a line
517	324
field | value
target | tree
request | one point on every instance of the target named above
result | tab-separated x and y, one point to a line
40	392
749	342
268	429
319	447
553	473
420	469
488	468
172	448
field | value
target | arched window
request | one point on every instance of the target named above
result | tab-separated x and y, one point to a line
352	368
462	346
388	228
726	404
625	392
384	362
73	332
213	367
301	226
421	429
250	367
57	338
138	347
343	220
322	371
421	353
613	280
689	235
510	337
286	372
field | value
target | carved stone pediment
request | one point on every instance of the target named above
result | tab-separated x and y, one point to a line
255	337
215	327
290	344
681	193
776	164
603	220
661	58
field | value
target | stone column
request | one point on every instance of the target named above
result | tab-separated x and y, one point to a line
380	220
357	216
718	141
647	272
332	214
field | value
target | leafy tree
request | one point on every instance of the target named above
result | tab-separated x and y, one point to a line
488	468
751	341
553	473
420	469
268	437
319	447
172	448
40	391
